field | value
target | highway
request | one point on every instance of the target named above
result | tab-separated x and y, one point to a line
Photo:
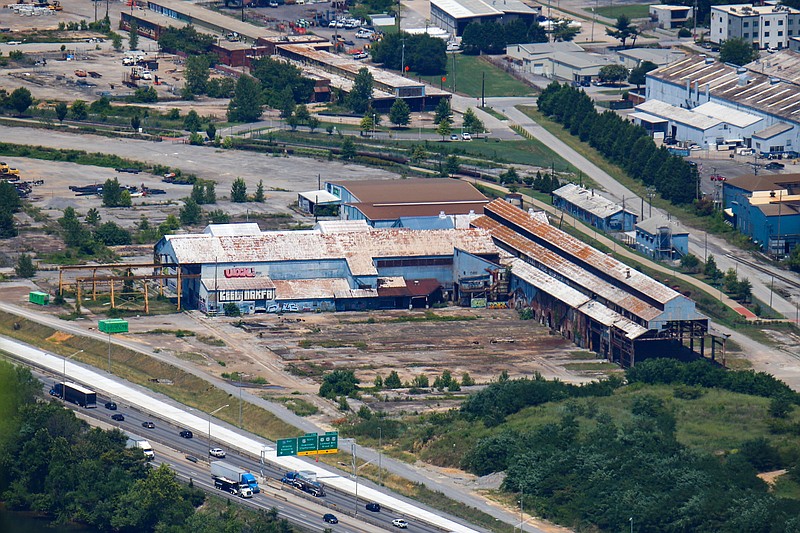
139	404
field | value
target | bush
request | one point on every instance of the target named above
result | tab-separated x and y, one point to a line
231	309
684	32
338	383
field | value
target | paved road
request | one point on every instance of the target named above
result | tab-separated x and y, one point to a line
699	241
415	474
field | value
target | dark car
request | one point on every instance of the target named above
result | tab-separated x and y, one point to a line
118	417
774	166
348	42
186	434
111	406
374	507
329	518
148	425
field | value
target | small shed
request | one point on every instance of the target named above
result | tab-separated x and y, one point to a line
39	298
660	239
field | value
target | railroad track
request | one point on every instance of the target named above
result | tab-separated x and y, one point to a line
765	270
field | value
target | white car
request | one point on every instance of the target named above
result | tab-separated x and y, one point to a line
466	136
217	452
399	522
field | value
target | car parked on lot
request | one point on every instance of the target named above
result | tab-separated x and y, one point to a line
374	507
774	166
111	406
148	425
118	417
217	452
186	434
466	136
718	177
453	137
399	522
330	518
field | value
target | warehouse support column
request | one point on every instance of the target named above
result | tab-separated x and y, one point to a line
94	284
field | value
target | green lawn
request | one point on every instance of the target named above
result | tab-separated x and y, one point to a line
469	71
634	11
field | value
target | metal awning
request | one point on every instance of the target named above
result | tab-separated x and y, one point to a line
647	117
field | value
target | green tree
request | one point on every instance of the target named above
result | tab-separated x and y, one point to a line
133	36
198	193
292	121
737	51
378	382
338	383
453	164
366	124
231	309
779	407
61	112
196	74
623	30
302	114
75	234
731	280
112	234
361	94
8	228
400	113
444	128
638	76
444	381
239	191
564	31
9	198
312	123
710	269
690	262
218	216
744	290
467	380
25	267
92	216
192	122
116	41
114	195
220	87
245	106
393	381
191	213
136	122
259	195
472	123
613	73
421	382
20	100
145	95
348	149
537	33
443	111
79	110
211	131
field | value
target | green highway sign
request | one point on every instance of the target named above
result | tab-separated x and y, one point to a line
307	444
329	442
287	447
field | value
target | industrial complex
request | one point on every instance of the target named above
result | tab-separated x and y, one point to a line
506	257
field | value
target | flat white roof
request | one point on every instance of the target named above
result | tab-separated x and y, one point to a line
466	8
678	114
320	197
243	228
588	200
737	118
652	119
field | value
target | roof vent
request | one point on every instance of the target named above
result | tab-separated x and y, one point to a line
471	212
709	60
442	214
774	81
741	70
531	212
628	273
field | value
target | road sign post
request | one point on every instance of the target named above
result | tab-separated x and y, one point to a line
307	444
287	447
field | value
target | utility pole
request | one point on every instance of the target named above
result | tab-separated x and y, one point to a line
483	89
454	72
403	58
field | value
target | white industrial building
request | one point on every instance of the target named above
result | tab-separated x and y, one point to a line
561	60
698	99
669	17
455	15
767	27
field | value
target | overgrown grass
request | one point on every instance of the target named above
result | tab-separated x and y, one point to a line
470	71
329	343
298	406
180	333
142	370
633	11
430	316
211	340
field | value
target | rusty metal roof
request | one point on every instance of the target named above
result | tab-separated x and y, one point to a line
316	289
576	299
411	191
359	248
221	283
568	270
572	247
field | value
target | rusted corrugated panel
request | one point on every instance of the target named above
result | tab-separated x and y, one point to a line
309	289
358	248
622	273
569	270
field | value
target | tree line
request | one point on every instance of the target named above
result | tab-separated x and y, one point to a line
621	142
54	464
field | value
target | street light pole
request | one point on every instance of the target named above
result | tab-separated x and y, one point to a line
209	422
374	116
380	457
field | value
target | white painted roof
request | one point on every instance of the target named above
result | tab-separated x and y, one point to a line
320	197
678	114
653	224
732	116
589	201
242	228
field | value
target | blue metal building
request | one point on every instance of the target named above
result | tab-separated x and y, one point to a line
593	209
661	239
